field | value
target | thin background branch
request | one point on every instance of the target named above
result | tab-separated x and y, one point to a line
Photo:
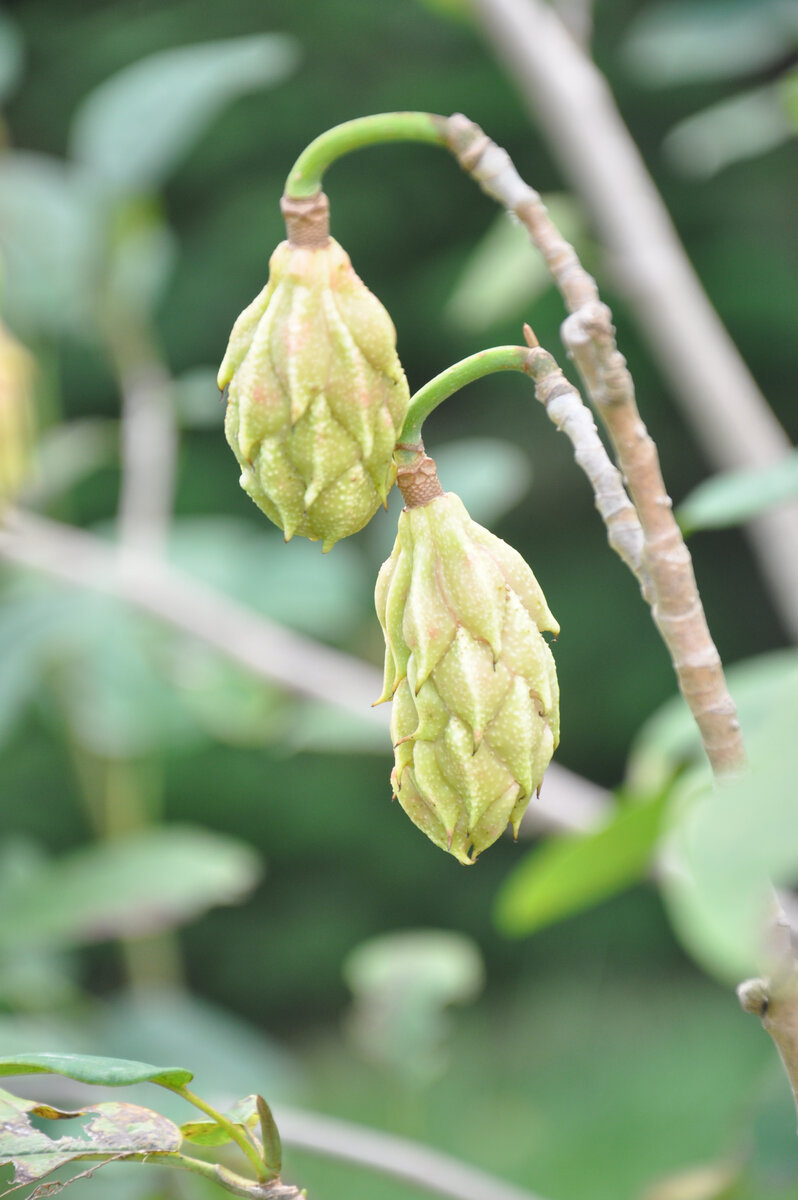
719	398
148	437
390	1155
263	648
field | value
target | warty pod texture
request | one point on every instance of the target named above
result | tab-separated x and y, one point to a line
316	395
16	415
475	716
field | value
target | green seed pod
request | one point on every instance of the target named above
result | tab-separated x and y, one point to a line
316	393
475	716
16	415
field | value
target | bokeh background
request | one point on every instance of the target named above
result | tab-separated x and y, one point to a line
191	856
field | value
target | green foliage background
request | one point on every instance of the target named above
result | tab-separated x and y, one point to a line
597	1058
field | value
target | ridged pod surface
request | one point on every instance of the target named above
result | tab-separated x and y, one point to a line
16	415
475	716
316	395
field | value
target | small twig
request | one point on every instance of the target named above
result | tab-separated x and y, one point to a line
565	408
720	399
390	1155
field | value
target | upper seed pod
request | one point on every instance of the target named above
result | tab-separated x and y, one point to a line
317	395
475	716
16	415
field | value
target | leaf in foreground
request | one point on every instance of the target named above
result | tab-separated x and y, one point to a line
244	1114
87	1068
113	1128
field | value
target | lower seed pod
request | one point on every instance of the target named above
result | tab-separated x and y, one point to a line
475	716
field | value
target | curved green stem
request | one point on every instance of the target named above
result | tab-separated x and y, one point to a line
476	366
304	178
235	1134
168	1158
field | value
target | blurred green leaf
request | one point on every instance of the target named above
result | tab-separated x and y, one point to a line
12	56
32	979
491	476
51	233
87	1068
728	844
402	982
736	496
119	702
458	10
445	966
134	129
738	128
131	887
788	91
685	41
198	400
227	702
293	584
565	875
67	453
142	255
226	1051
36	622
110	1128
669	741
320	727
110	666
18	653
38	980
504	275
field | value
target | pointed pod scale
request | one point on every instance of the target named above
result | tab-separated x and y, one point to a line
316	395
16	415
475	716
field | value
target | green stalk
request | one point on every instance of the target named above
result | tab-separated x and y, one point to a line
304	179
213	1172
233	1132
476	366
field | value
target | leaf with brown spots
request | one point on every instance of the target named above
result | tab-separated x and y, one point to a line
111	1129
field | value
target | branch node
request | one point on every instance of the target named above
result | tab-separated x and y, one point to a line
754	997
